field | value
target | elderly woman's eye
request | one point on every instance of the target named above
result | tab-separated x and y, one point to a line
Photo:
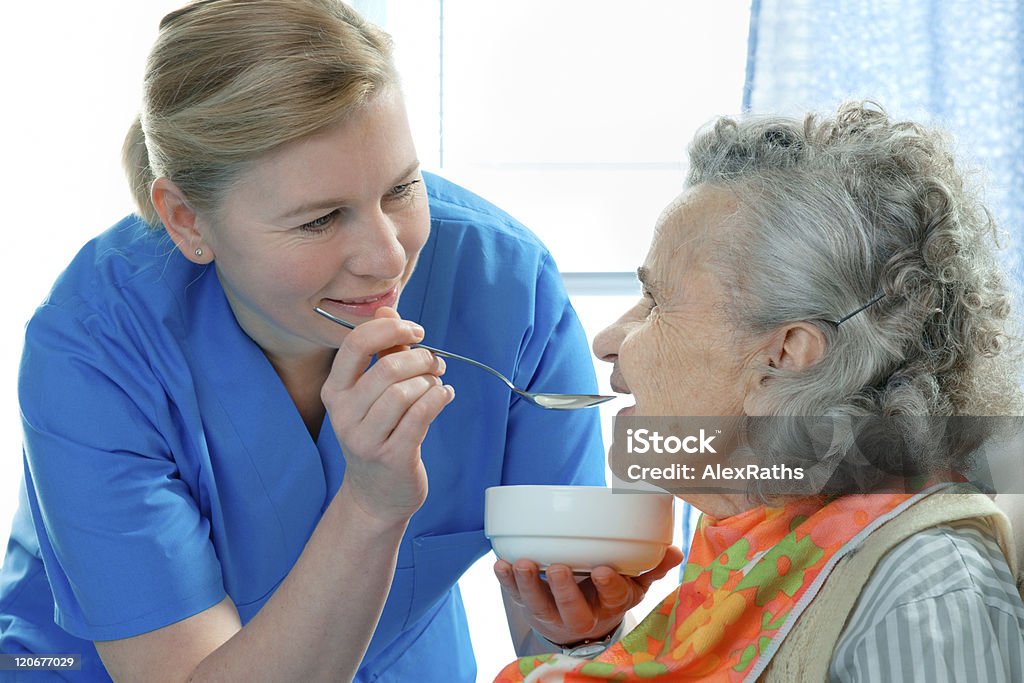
651	304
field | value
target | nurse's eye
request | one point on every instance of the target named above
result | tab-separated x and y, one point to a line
319	225
403	191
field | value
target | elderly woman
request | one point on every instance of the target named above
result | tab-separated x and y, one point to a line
834	268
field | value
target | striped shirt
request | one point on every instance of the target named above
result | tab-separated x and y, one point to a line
940	606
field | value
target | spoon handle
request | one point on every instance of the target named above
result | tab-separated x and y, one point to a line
436	352
455	356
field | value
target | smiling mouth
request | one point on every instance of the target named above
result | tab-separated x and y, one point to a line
363	300
363	306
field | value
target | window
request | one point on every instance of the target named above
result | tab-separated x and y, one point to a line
574	117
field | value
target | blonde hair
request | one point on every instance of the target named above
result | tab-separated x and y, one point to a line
229	80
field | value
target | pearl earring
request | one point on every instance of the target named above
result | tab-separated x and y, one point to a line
199	251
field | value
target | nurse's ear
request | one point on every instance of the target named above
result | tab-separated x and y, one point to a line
179	219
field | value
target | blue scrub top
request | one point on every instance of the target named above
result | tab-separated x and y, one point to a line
167	467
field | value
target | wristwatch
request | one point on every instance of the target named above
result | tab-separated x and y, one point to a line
586	648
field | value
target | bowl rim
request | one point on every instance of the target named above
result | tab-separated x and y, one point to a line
585	487
577	537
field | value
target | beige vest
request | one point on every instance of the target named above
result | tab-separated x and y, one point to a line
806	653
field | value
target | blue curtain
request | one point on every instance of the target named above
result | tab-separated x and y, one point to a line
954	63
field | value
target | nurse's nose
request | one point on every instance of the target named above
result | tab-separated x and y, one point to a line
378	251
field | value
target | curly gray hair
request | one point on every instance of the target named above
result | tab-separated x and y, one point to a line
837	210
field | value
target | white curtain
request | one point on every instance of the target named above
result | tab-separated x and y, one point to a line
955	63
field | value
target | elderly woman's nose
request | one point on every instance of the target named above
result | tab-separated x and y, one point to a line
379	253
607	342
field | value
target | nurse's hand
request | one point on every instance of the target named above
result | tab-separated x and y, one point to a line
564	611
381	414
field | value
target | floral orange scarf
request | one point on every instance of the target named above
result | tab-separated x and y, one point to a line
746	581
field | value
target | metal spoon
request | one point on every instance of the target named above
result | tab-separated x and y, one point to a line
549	401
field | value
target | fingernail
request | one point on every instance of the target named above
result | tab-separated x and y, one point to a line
559	573
415	328
451	391
441	365
603	580
503	573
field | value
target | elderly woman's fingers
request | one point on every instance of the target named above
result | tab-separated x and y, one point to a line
534	593
565	610
615	593
576	612
673	557
503	571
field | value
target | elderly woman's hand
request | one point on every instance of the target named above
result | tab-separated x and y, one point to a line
564	611
381	415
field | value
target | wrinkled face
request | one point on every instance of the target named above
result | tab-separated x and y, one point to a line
334	220
673	350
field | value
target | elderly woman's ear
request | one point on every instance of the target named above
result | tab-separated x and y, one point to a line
791	348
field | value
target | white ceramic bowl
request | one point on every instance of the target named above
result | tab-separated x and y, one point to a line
580	526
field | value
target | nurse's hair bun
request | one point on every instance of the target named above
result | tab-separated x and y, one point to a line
229	80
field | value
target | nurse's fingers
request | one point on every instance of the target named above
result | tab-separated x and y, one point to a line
385	389
350	389
418	399
414	423
387	312
360	345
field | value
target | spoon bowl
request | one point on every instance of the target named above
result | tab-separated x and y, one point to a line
541	399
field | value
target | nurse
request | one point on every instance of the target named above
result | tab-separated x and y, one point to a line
222	485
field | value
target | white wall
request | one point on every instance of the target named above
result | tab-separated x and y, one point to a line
72	74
